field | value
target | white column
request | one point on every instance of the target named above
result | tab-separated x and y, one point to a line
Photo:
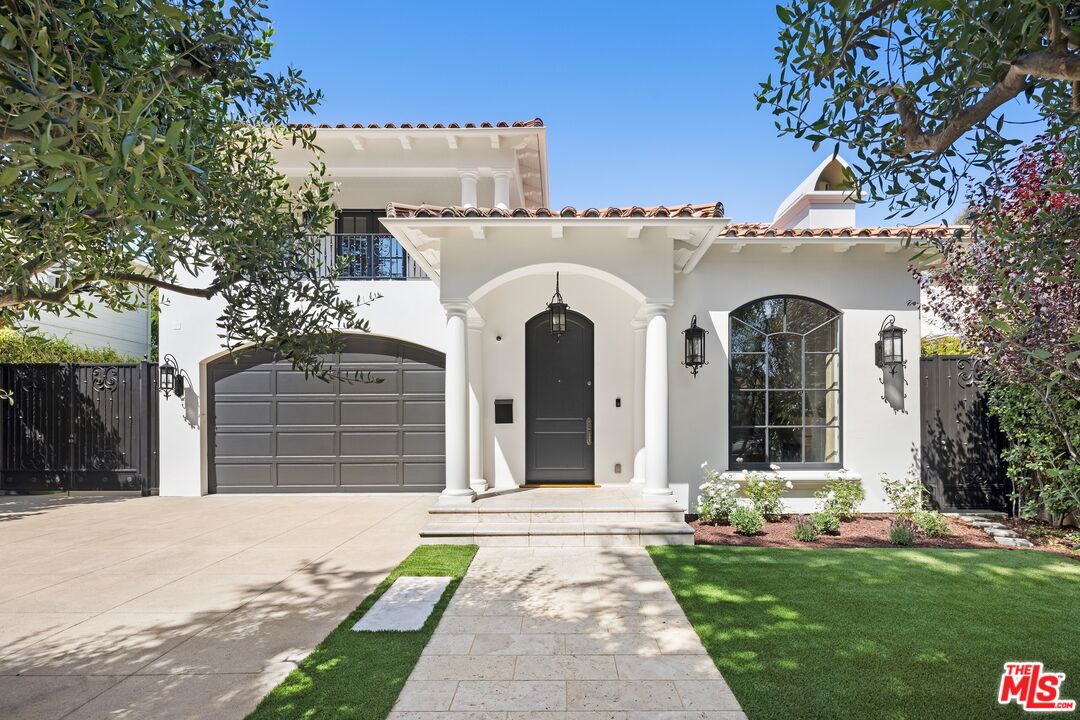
656	404
502	188
457	407
476	405
469	180
638	326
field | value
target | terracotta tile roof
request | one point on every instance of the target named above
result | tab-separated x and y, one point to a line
753	230
534	123
707	210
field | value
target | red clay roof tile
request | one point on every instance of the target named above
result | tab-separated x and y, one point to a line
755	230
706	210
534	123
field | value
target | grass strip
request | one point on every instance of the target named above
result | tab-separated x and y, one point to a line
877	633
358	675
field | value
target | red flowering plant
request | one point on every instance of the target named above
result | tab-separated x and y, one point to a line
1010	287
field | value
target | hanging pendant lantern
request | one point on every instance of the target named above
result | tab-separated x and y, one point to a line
557	312
694	346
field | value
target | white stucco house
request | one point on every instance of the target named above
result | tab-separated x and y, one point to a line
451	225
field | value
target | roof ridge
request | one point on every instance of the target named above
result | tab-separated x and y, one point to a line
700	210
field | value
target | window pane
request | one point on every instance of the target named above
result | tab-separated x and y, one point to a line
785	361
822	407
746	339
748	408
822	370
785	407
805	315
825	338
785	445
823	444
748	371
747	446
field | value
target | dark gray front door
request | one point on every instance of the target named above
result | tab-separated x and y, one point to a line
559	401
273	430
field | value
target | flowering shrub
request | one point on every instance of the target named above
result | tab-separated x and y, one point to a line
718	497
747	520
804	531
904	494
765	492
841	496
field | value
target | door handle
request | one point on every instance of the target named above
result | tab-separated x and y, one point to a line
588	431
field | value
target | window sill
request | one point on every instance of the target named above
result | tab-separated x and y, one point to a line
796	476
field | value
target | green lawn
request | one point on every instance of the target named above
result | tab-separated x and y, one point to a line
877	633
359	675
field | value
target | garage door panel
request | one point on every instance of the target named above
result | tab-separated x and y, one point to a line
424	412
245	445
245	475
307	444
384	412
360	444
276	431
370	474
423	381
243	412
307	413
372	382
423	443
306	474
424	475
243	381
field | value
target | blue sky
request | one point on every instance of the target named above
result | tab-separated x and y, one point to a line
644	103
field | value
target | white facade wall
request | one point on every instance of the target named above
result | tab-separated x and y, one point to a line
127	332
864	284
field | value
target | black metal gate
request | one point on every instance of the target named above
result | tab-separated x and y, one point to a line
961	442
79	428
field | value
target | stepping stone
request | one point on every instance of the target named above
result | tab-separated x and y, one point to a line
1014	542
1001	532
405	606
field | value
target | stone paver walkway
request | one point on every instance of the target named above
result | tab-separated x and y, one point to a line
565	634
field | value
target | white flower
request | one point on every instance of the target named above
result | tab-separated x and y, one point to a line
788	485
774	467
744	474
698	499
738	459
737	486
704	464
761	483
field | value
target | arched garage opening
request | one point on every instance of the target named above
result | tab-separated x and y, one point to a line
271	430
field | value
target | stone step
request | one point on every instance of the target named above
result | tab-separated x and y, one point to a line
555	513
558	534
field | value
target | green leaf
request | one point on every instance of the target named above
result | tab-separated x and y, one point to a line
97	79
60	185
9	174
129	142
172	135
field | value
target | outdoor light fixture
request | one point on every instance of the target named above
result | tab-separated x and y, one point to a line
889	349
171	379
557	311
694	351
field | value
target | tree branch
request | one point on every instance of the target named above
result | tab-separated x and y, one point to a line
1052	63
14	136
208	292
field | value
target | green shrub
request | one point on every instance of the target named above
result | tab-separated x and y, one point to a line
841	496
932	524
29	347
765	493
904	494
747	520
718	497
804	531
902	532
826	522
945	345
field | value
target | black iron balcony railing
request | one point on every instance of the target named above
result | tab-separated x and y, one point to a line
369	256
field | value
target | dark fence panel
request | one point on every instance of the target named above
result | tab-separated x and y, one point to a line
79	428
961	442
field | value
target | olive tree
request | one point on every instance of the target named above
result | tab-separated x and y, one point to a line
136	151
924	91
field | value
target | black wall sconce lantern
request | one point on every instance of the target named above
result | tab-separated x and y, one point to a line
889	349
694	350
557	312
171	377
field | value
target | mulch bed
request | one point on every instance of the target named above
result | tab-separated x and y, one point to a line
866	531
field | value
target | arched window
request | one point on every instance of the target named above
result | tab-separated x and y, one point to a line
785	384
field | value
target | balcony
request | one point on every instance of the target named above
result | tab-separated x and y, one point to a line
369	256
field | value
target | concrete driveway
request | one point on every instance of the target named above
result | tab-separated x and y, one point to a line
180	607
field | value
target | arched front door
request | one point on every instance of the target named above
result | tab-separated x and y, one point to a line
559	401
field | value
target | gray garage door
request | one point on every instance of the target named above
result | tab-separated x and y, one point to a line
273	430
